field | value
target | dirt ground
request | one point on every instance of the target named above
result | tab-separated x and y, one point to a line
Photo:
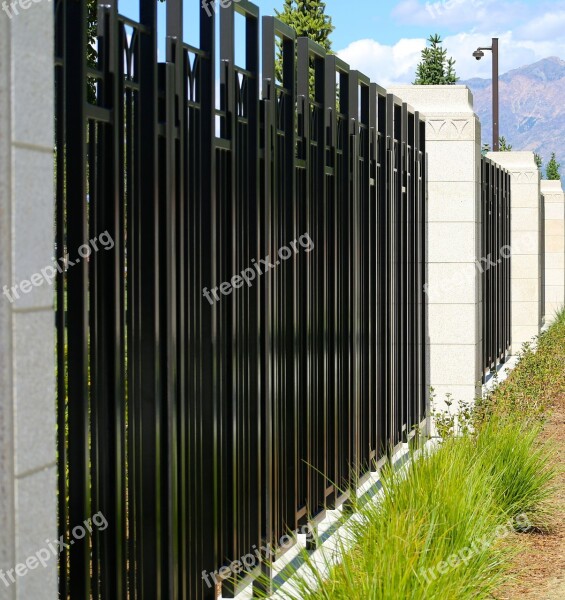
539	573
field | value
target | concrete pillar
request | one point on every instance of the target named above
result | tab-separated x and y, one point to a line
453	144
526	224
28	489
554	279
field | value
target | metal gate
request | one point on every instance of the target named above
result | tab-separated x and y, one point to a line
204	429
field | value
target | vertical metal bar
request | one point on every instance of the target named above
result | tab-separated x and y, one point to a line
229	218
249	168
372	314
107	340
77	293
509	275
211	409
287	224
344	282
269	99
383	181
170	215
482	245
363	253
150	393
424	270
332	289
403	280
418	283
392	268
176	323
307	391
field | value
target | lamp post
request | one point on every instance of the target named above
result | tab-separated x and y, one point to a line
478	54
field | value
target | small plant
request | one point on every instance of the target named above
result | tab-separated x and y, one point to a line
453	422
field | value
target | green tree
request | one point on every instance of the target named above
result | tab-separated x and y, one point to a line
436	68
552	169
504	146
539	160
91	53
309	19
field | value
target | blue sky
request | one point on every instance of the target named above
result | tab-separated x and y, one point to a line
383	38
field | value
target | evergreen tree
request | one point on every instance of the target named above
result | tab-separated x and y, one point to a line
309	19
504	146
539	160
435	68
552	169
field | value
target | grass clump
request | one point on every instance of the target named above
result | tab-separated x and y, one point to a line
437	531
520	467
433	534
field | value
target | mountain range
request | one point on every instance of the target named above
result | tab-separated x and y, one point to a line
532	108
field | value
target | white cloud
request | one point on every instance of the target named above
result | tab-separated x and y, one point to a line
389	64
550	25
384	64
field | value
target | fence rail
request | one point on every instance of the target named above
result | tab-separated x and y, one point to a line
203	430
495	265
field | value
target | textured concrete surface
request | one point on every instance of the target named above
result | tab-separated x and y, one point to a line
526	258
28	487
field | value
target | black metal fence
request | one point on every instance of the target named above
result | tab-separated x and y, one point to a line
495	265
205	429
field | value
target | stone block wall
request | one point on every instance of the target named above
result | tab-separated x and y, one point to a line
28	487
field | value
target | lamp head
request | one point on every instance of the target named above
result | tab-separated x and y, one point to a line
478	54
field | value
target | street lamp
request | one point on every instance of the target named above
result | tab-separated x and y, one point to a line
478	54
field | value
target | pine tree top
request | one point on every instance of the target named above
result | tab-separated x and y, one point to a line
309	19
552	169
435	68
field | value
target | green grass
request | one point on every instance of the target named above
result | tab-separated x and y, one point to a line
439	530
520	467
539	377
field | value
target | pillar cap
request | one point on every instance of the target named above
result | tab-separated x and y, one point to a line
436	99
551	186
520	161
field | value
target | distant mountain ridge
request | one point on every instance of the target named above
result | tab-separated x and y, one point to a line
532	108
